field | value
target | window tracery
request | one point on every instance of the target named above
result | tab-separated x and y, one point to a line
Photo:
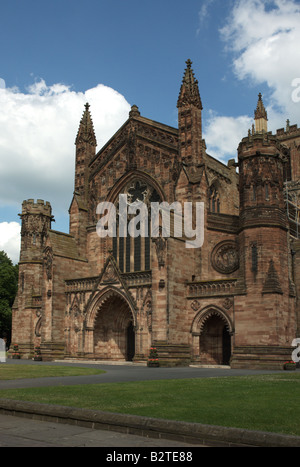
133	254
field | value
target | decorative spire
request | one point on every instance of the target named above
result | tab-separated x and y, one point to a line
260	116
189	91
134	112
192	146
260	111
86	131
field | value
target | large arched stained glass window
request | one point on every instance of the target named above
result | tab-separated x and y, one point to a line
133	253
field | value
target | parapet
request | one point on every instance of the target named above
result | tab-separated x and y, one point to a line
290	131
29	206
265	143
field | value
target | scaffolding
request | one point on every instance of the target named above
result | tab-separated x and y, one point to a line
292	200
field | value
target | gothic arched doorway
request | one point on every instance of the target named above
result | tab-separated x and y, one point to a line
215	342
226	346
211	337
114	336
130	342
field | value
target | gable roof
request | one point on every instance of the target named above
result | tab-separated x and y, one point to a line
150	130
63	245
155	133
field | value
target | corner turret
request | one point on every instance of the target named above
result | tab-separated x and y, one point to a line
36	222
265	322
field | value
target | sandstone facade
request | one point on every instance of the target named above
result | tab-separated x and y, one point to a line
232	301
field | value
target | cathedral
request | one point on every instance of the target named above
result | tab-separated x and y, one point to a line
234	300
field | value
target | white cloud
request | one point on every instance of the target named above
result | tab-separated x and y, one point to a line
10	239
265	37
204	11
38	131
231	129
37	152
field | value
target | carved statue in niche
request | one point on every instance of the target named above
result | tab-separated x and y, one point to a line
160	246
148	308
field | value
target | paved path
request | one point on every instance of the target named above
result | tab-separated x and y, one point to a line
23	432
120	373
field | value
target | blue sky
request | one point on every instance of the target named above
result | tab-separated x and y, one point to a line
138	48
56	55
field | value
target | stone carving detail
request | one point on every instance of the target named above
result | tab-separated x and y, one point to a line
195	305
147	308
160	244
227	303
156	135
175	169
110	274
34	224
48	260
93	202
39	323
131	150
212	312
225	257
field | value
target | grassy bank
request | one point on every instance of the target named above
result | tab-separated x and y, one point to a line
11	371
267	403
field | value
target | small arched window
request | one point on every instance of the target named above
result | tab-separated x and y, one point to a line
214	199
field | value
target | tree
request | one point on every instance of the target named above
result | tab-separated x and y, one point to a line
8	291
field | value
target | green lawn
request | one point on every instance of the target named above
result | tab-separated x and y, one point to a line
267	403
11	371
